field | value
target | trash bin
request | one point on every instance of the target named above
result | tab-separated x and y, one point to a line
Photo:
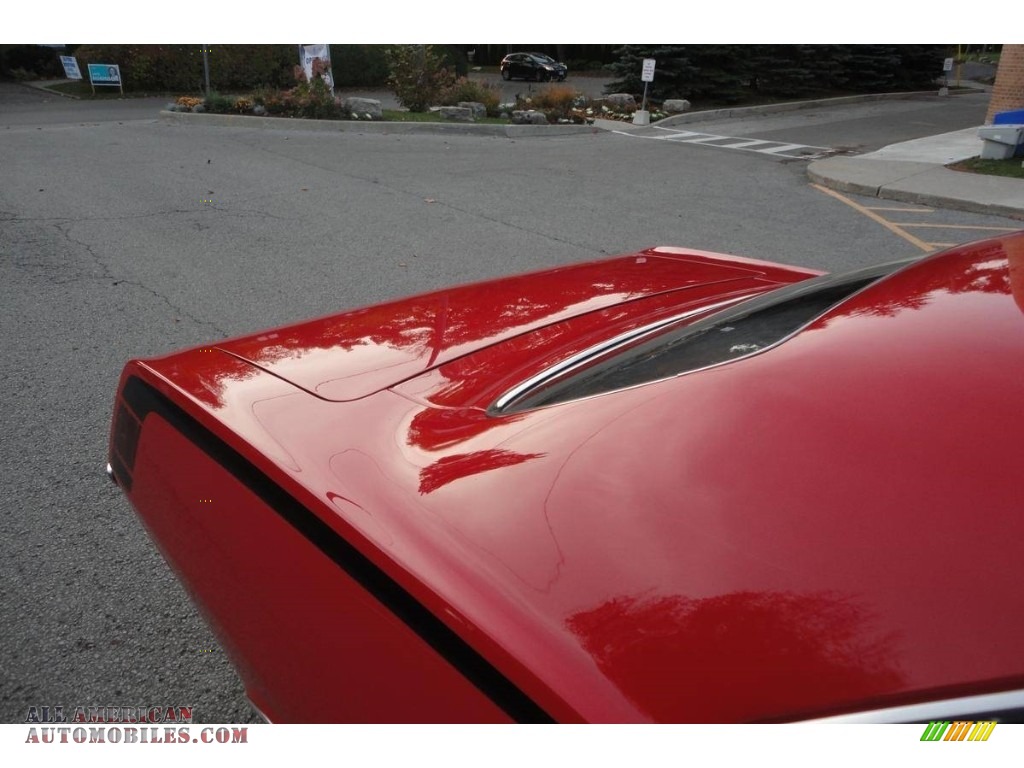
1001	142
1011	117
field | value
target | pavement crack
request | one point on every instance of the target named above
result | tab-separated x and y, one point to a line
10	217
106	273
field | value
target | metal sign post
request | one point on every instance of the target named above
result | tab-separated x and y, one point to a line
643	117
947	67
206	68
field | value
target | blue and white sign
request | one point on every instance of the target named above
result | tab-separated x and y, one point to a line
71	70
104	74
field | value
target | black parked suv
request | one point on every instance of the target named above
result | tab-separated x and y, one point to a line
532	66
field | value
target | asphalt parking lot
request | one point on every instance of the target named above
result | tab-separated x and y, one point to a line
124	236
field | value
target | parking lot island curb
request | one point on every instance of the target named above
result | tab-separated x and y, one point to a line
730	113
378	126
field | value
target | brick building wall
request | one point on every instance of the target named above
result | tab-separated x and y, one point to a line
1008	92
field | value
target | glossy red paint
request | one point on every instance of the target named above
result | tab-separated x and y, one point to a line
353	354
828	526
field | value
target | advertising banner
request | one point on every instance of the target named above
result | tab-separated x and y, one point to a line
105	74
307	54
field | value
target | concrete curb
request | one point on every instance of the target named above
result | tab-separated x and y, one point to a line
921	183
792	106
40	85
383	127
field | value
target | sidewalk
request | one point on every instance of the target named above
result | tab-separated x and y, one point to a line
915	172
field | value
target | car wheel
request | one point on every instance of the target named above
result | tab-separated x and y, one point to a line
506	74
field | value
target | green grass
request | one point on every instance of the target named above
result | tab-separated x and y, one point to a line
82	90
1012	168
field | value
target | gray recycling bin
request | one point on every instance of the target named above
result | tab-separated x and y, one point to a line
1000	142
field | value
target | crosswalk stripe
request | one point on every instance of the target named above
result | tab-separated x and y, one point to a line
703	139
749	143
785	148
764	146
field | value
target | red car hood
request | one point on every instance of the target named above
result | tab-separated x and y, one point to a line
353	354
831	525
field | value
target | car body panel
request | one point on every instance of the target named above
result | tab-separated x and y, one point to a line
353	354
829	526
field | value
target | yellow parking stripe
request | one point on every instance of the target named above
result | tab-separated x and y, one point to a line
905	210
954	226
894	228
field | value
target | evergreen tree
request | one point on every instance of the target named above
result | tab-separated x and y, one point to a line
673	73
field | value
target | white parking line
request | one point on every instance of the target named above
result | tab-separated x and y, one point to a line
746	144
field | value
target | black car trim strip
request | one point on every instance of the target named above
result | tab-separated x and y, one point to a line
144	399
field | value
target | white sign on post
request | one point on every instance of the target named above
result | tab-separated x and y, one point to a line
71	70
947	65
642	116
647	74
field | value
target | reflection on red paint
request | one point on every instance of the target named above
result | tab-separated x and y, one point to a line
738	656
450	468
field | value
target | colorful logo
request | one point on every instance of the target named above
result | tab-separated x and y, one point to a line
960	730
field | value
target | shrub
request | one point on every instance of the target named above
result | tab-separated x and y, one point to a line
241	67
307	99
359	66
418	76
314	99
557	102
149	67
30	62
278	103
465	89
555	97
180	67
214	102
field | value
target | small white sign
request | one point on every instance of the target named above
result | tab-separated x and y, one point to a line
71	70
947	65
647	75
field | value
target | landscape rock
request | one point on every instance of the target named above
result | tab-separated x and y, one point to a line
675	106
363	107
529	117
462	114
479	110
622	101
